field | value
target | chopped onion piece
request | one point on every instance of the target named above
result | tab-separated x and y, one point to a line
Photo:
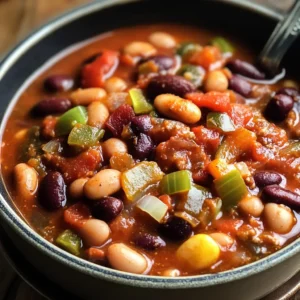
153	207
52	146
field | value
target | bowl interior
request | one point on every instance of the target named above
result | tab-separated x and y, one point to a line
249	24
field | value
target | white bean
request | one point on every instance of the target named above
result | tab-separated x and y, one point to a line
97	114
162	40
112	146
94	232
86	96
177	108
279	218
76	188
115	84
139	49
104	183
224	240
123	258
251	205
216	81
26	179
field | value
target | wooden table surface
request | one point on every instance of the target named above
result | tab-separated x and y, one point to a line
17	19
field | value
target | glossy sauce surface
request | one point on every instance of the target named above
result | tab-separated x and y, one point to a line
132	222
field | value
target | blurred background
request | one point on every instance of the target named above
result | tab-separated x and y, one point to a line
19	17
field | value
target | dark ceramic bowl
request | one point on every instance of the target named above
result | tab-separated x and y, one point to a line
87	280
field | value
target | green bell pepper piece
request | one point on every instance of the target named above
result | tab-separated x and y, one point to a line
135	180
84	135
75	115
219	121
69	241
222	44
195	74
139	102
186	48
192	201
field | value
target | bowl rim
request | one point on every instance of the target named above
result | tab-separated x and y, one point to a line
18	225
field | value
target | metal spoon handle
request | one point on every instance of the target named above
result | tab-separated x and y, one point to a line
281	39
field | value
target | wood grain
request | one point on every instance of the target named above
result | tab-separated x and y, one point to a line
19	17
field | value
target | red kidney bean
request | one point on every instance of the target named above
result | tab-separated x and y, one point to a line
141	124
149	242
246	69
264	178
176	229
58	83
52	191
169	84
278	107
277	194
50	106
142	146
121	117
240	85
163	62
107	208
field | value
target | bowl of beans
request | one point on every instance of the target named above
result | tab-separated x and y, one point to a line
144	152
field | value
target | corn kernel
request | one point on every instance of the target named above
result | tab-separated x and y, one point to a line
199	252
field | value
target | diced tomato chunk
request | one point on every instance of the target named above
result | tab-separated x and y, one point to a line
202	177
82	165
95	254
95	73
261	153
230	226
217	101
206	57
76	215
48	127
209	138
240	114
166	199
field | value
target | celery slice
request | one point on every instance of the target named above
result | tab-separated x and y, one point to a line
69	241
222	44
219	121
231	188
84	135
153	207
139	102
75	115
176	182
